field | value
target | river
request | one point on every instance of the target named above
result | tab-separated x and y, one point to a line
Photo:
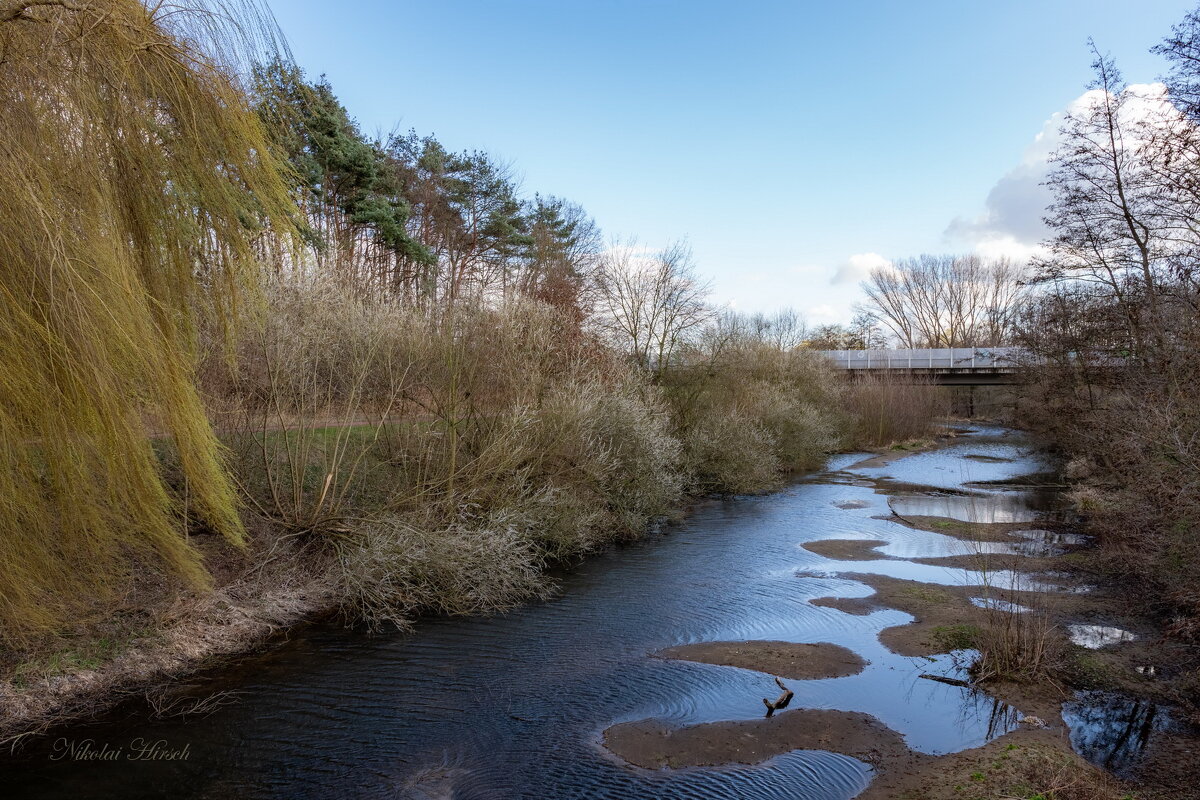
514	706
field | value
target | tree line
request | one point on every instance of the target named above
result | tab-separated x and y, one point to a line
405	218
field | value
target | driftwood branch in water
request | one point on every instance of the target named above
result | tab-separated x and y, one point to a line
944	679
781	702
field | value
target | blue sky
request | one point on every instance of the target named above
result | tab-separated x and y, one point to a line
785	141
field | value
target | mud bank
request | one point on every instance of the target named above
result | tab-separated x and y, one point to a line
652	745
784	659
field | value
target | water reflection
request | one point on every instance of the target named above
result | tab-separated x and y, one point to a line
1094	637
996	604
1006	507
1047	543
1112	730
987	454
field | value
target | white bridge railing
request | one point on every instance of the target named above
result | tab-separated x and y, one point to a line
983	358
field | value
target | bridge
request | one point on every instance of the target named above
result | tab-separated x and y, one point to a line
947	366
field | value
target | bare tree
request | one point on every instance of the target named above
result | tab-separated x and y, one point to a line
649	306
866	330
1105	232
729	329
945	301
784	329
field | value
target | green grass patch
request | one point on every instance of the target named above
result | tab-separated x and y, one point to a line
88	654
956	637
1090	670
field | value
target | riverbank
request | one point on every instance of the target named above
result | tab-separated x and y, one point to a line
153	644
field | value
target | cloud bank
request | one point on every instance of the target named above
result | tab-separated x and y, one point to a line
1011	223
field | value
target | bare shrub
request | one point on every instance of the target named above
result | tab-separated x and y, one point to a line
749	410
802	433
1015	642
593	463
1015	645
1133	437
393	568
508	417
610	453
883	410
729	453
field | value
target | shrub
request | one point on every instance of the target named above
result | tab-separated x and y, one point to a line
394	568
729	453
750	413
879	411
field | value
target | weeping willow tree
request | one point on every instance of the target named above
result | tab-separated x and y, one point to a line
135	187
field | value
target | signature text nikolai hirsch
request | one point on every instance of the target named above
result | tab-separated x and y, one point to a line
136	750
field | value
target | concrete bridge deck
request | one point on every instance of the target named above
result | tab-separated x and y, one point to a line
949	366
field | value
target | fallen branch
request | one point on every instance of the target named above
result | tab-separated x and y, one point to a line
781	702
944	679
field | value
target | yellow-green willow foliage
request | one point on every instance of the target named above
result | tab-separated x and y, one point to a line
134	183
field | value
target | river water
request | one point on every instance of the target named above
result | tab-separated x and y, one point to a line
514	706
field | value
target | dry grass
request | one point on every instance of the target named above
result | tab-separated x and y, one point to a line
1005	770
176	637
1015	643
1018	646
1043	773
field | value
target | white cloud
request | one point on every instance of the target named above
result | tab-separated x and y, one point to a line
1011	223
822	312
1005	246
858	267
